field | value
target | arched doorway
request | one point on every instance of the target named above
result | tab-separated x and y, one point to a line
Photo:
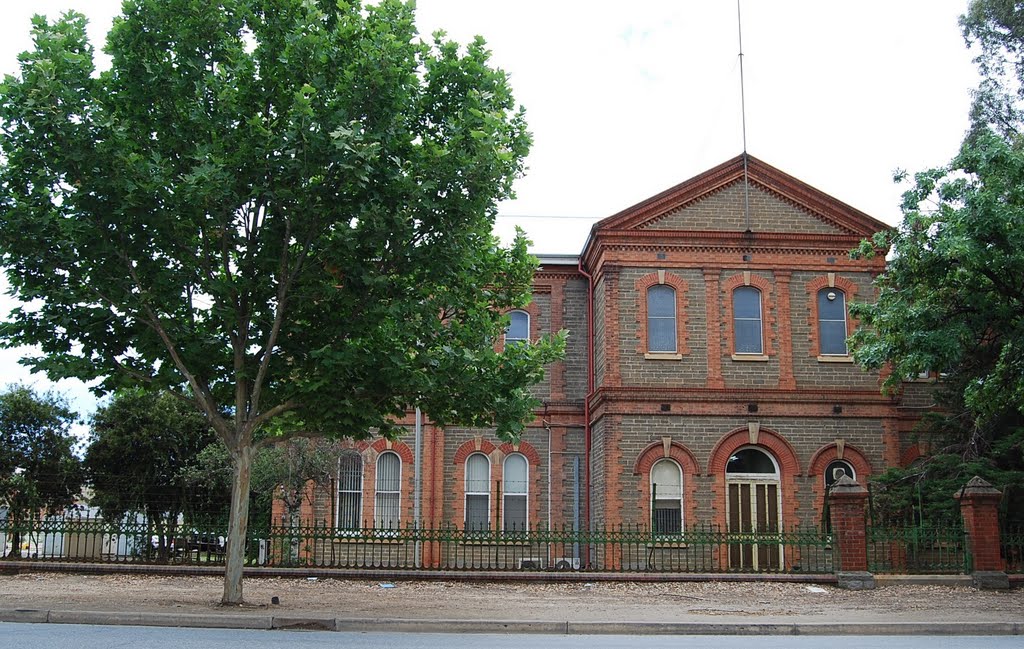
753	507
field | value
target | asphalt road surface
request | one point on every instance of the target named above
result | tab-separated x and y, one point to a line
71	636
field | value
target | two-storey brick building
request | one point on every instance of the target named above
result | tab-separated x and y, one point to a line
706	379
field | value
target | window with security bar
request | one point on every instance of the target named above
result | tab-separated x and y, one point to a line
350	491
666	497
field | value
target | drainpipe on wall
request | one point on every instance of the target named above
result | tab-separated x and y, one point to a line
590	394
418	481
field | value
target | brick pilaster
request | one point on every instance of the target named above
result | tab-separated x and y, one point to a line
848	506
714	317
785	338
979	506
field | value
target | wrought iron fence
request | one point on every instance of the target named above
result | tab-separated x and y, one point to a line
918	549
700	549
1012	548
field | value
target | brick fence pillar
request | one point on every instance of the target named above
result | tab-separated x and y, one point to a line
848	506
979	506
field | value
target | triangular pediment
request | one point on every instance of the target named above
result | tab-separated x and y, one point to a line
731	198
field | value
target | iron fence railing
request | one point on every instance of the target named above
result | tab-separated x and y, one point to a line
918	549
1012	548
699	549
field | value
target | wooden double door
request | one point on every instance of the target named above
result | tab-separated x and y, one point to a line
753	514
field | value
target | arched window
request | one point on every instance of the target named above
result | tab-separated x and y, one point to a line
837	469
516	480
388	491
478	492
661	319
666	497
746	315
832	322
518	331
350	491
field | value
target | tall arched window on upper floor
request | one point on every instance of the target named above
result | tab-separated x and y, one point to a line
350	491
832	322
518	331
388	491
661	319
666	497
478	492
516	474
747	321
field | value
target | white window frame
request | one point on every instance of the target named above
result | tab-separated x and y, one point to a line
507	494
386	495
736	319
517	340
357	493
836	295
660	496
653	290
476	493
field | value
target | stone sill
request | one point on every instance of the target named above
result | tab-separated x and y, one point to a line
662	356
759	358
835	359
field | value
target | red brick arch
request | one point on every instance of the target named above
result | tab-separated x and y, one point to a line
470	447
656	451
401	448
769	440
682	308
523	448
826	454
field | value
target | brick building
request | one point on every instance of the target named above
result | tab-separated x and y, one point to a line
706	379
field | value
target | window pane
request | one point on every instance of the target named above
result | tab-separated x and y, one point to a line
746	303
389	471
350	473
661	334
748	337
515	513
387	514
661	301
478	474
516	472
836	469
477	508
519	326
667	477
349	510
834	309
750	460
833	338
668	517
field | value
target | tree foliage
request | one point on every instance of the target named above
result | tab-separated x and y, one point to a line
951	299
282	208
38	468
143	446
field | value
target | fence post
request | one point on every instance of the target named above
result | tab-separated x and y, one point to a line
979	506
848	505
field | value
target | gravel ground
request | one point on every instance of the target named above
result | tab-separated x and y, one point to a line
600	601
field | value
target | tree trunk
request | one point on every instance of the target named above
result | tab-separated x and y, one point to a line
238	523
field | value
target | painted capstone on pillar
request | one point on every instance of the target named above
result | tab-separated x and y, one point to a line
848	507
979	506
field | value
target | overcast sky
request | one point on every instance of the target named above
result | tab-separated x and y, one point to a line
626	99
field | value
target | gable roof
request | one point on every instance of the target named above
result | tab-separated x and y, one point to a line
843	218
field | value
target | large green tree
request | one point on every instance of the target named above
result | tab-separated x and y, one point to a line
143	446
38	468
280	209
951	299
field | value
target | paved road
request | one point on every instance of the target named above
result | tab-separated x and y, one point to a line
72	636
